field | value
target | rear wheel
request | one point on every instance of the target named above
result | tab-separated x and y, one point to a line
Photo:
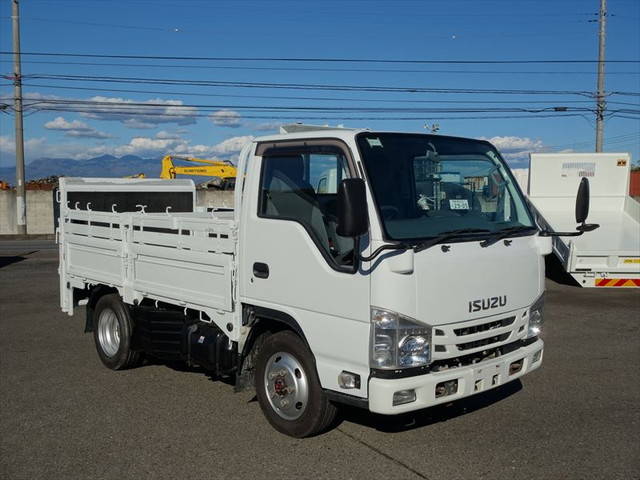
288	388
112	331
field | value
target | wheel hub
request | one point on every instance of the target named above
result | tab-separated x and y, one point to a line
109	332
280	386
286	385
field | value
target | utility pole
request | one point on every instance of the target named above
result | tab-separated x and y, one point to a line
601	104
21	205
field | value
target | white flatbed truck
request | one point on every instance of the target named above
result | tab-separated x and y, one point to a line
610	256
417	279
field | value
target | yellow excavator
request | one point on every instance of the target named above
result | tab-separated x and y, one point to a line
224	171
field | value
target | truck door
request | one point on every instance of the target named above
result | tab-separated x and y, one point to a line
293	262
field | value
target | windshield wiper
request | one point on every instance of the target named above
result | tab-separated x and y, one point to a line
423	245
446	236
504	233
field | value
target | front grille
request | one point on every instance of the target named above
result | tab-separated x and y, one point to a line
470	359
467	336
483	342
460	332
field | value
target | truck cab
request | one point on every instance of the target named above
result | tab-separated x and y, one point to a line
408	328
389	271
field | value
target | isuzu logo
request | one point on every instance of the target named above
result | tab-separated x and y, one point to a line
487	303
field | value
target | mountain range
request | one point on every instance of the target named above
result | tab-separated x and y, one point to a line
103	166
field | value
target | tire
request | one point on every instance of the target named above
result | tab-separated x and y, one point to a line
288	388
112	331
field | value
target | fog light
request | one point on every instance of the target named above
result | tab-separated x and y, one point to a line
516	366
449	387
537	356
404	396
348	380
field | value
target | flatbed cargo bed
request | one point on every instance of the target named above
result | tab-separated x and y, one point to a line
185	259
610	255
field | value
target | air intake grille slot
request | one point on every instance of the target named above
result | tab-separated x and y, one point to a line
484	327
483	342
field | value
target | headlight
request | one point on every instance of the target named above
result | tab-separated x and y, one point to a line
536	317
398	341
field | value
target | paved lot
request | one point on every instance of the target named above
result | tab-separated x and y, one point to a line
63	415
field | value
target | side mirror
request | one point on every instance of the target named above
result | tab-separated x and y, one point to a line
582	207
582	211
353	216
582	201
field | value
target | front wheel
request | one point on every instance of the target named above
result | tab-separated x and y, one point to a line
288	388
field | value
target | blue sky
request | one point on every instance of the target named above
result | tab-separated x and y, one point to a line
401	29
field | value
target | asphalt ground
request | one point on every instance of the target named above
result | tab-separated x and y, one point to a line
64	415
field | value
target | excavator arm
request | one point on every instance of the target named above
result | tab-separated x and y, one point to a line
205	168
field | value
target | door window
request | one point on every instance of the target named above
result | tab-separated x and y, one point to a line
303	188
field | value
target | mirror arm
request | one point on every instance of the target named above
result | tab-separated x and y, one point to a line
580	229
356	255
547	233
379	250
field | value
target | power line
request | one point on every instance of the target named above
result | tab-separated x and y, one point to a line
183	111
325	118
182	30
316	59
95	24
340	99
300	86
627	117
293	97
108	105
315	69
585	143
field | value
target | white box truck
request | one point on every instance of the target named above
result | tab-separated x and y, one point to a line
417	279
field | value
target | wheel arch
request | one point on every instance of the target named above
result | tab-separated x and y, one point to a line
95	294
260	318
262	321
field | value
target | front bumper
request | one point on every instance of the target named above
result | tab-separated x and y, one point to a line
472	379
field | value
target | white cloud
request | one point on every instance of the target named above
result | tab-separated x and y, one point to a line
33	98
169	144
135	123
516	150
143	113
75	128
142	146
137	114
87	134
59	123
145	146
163	134
226	118
516	144
268	126
231	145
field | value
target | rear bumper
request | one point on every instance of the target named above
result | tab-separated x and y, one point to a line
607	280
472	379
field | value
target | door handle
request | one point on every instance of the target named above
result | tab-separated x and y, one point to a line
261	270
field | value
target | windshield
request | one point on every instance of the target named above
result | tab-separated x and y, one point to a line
425	185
